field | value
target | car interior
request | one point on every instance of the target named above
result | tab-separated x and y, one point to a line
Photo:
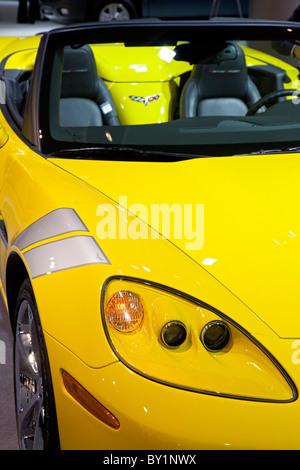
220	84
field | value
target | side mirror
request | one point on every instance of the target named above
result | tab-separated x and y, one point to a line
3	136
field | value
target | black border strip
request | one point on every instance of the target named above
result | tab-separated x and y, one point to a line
202	304
3	232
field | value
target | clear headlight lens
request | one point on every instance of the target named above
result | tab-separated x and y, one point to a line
174	339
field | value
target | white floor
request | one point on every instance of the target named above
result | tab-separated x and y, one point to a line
10	27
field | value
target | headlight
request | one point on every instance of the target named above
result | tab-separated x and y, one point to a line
124	311
173	334
215	336
177	340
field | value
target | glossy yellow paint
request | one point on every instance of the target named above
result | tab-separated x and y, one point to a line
250	220
118	63
232	224
154	82
72	321
22	50
130	111
68	319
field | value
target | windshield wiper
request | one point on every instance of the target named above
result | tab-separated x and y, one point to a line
123	154
270	151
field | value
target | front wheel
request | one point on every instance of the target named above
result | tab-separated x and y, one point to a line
35	408
114	11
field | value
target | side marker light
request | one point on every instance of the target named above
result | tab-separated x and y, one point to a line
82	396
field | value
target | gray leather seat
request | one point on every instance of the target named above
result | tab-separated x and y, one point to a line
220	86
85	99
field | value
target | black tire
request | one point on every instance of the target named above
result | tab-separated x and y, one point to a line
34	398
106	10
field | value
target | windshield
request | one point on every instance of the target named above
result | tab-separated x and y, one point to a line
200	94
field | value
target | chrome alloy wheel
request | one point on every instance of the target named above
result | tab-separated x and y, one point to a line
28	381
34	399
114	12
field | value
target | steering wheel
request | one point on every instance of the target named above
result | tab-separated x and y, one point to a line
270	99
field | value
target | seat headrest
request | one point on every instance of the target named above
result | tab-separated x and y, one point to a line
223	75
80	77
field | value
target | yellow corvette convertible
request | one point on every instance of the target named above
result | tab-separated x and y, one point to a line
149	222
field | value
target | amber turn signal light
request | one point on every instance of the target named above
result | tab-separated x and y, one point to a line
125	311
82	396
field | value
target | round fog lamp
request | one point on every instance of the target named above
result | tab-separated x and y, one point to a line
215	335
125	311
173	334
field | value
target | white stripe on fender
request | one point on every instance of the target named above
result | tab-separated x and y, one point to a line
57	222
71	252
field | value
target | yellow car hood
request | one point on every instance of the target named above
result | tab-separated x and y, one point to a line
251	220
